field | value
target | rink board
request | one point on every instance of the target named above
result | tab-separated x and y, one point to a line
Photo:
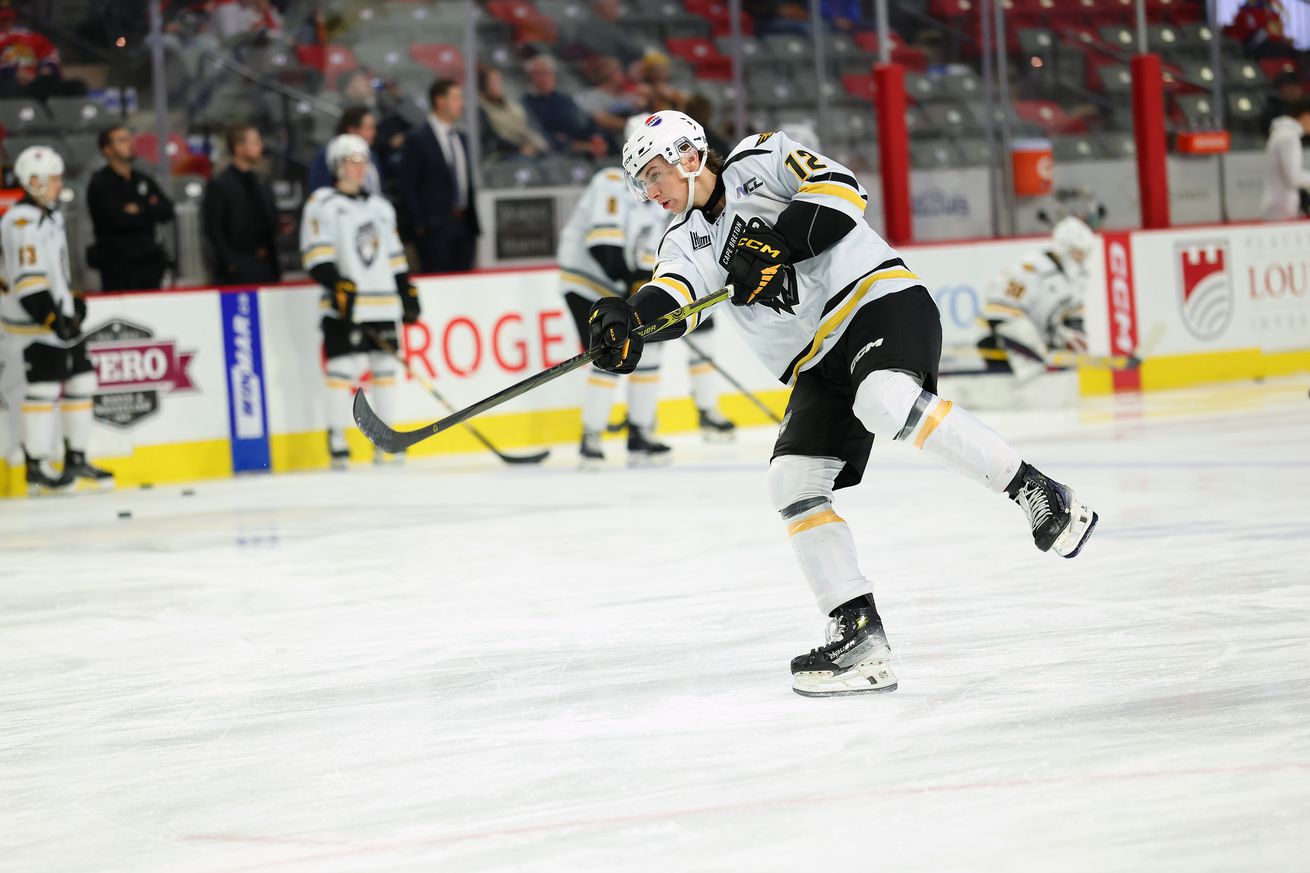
206	383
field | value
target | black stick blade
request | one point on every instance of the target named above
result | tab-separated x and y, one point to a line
373	427
534	458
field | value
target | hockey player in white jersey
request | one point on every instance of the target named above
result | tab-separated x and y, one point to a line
349	244
607	248
44	316
1034	309
836	313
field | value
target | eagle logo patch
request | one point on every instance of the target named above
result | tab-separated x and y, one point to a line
368	243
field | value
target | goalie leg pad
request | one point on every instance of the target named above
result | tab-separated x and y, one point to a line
800	488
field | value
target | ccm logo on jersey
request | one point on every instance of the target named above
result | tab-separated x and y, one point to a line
752	185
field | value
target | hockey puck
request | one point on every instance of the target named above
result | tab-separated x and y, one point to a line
124	513
146	486
188	492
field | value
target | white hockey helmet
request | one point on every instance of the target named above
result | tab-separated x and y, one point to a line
669	134
1073	239
33	169
345	147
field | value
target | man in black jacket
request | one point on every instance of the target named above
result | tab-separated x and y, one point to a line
437	185
127	208
239	216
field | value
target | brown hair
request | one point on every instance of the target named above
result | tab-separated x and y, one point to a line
236	134
440	88
102	139
352	118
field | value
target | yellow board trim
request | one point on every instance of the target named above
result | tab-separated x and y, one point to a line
825	517
930	424
1166	372
833	189
832	322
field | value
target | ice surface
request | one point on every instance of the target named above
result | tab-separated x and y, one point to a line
458	666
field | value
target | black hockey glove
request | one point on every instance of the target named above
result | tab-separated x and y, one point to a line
1303	201
409	302
612	328
79	311
64	327
343	295
756	269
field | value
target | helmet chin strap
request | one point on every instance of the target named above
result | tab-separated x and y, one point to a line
691	182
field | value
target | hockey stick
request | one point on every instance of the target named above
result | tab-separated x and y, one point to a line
1056	359
733	382
393	441
535	458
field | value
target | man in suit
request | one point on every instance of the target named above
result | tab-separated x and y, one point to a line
437	185
239	215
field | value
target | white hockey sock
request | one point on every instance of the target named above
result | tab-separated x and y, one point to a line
343	374
39	419
955	435
597	399
801	490
643	396
75	410
891	404
382	384
704	384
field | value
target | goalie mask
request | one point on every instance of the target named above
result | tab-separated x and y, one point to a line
33	170
1073	241
668	134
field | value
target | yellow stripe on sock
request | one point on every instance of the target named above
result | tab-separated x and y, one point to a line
38	407
930	423
825	517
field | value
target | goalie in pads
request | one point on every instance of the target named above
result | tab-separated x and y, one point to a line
837	314
349	245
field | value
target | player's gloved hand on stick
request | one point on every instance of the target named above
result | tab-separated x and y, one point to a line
409	304
64	327
1070	339
79	311
756	270
344	297
612	328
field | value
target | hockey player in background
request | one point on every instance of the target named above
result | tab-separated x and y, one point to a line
607	248
830	308
349	245
44	316
1034	309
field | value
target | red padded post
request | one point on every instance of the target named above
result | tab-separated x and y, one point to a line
1148	128
893	152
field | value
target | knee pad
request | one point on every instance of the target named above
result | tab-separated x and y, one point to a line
886	401
80	387
347	368
798	483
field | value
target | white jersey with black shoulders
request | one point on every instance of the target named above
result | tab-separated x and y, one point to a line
358	234
1043	288
35	262
760	178
607	215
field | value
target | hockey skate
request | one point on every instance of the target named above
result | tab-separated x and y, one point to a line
590	456
855	659
77	467
643	451
338	451
1060	522
715	428
42	478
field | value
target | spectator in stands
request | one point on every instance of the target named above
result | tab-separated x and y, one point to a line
846	16
506	130
1258	26
361	122
567	128
778	16
239	216
1289	92
127	208
1287	183
236	18
29	63
612	100
602	34
437	185
654	75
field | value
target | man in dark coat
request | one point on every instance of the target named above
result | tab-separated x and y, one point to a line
437	185
239	215
126	208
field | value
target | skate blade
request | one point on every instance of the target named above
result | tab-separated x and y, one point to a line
644	461
96	486
591	465
868	677
1082	541
45	491
718	437
340	464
